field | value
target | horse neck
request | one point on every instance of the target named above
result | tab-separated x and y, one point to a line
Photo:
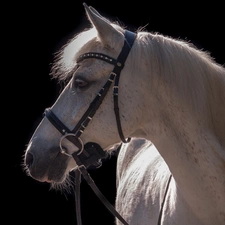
196	160
191	142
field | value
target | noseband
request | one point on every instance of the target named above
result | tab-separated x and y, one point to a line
91	153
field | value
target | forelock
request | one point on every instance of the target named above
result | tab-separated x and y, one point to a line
65	59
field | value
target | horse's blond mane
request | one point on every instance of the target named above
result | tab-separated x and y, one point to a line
190	71
64	59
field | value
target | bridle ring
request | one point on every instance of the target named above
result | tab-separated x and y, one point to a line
63	151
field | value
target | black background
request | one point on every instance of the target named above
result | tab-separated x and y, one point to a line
35	31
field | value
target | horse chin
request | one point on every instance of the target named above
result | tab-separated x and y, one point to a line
54	177
58	172
64	184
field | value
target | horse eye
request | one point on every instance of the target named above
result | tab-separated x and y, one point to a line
80	83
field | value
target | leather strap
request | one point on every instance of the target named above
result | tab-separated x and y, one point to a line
128	43
82	170
77	196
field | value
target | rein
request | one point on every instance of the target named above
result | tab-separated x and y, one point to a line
82	170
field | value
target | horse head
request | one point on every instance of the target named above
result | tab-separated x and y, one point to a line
89	63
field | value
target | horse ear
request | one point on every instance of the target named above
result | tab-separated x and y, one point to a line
96	12
106	32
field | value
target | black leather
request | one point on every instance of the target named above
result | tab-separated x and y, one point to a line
91	156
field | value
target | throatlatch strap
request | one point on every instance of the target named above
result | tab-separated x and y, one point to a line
128	42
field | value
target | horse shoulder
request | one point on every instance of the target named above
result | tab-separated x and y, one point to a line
142	176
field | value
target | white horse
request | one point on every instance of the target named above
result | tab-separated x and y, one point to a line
170	93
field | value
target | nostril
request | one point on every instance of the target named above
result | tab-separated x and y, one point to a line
29	159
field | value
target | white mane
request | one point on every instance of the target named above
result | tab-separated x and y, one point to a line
171	57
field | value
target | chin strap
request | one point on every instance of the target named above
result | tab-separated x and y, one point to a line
92	155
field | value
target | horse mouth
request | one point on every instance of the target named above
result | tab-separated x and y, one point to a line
56	176
51	169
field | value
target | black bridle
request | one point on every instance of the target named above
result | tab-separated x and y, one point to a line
74	135
91	153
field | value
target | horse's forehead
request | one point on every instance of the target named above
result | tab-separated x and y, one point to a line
76	48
